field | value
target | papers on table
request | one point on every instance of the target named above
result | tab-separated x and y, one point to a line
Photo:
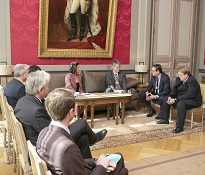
100	95
88	95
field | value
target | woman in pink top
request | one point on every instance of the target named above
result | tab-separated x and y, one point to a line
73	80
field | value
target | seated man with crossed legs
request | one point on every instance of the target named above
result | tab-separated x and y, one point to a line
56	146
31	112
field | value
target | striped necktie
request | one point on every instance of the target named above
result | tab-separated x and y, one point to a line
116	81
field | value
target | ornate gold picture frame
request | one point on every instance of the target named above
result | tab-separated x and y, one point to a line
58	38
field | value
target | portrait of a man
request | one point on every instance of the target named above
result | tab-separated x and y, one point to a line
77	24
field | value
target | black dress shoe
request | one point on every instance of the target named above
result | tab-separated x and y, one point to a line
100	136
158	117
177	130
151	113
162	121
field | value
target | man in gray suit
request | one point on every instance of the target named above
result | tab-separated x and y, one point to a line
31	112
158	88
57	148
115	80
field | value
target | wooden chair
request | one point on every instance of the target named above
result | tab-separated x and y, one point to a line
38	165
6	128
23	166
199	109
13	132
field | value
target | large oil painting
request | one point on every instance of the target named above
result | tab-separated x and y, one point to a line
77	28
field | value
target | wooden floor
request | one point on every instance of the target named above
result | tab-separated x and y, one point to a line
139	150
155	148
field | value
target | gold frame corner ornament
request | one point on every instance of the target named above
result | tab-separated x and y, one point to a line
45	52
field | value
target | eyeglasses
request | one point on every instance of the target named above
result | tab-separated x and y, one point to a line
117	67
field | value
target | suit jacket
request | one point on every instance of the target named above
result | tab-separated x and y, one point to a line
110	80
164	86
62	155
13	91
190	89
70	82
33	116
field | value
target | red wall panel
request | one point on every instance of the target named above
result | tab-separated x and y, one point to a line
24	35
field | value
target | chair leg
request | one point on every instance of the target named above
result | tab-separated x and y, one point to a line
192	119
14	161
202	122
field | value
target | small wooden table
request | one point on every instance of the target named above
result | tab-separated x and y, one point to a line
93	99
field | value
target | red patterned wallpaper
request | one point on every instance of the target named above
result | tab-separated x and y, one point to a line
24	35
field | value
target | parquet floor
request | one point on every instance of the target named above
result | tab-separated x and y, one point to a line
157	147
139	150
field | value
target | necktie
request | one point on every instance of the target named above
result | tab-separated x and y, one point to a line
157	86
116	82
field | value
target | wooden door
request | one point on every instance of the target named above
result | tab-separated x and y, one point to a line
173	34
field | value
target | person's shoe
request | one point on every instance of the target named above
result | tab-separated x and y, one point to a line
162	121
177	130
100	136
158	117
151	113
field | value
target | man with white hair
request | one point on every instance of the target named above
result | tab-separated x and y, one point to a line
15	89
31	112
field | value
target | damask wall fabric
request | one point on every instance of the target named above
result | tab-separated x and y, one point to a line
24	18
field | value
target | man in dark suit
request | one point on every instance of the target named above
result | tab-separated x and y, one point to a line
57	148
185	95
158	88
115	80
31	112
15	89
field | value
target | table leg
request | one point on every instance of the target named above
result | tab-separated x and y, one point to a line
114	111
123	113
108	112
85	112
92	116
78	115
117	113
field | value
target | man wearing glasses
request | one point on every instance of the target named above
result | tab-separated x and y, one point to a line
116	80
158	88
